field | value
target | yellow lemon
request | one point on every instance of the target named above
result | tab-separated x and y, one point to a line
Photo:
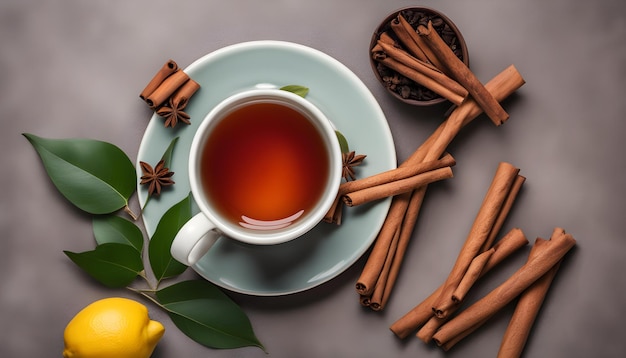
112	327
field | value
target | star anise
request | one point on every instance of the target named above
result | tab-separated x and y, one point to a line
350	160
173	112
157	178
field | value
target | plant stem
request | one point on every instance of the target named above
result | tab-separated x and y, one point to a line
143	275
130	212
145	294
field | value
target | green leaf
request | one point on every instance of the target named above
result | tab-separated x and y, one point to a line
343	142
114	265
95	176
161	260
299	90
111	228
167	156
205	314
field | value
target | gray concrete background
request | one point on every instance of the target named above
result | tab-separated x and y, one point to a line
74	69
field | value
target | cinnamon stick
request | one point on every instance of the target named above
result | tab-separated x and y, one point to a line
463	287
460	72
167	69
185	92
523	318
547	257
405	237
471	275
166	89
508	244
397	187
413	41
424	68
374	265
421	78
421	313
403	31
386	38
448	345
429	328
501	86
496	194
416	317
504	211
392	175
381	283
395	218
334	213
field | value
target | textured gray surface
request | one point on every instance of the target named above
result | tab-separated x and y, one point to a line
74	69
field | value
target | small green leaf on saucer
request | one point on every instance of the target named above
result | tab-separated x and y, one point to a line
112	264
111	228
299	90
161	260
343	142
96	176
167	156
205	314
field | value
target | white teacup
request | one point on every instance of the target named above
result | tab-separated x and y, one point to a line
264	168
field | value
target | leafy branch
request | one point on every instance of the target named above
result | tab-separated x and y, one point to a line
99	178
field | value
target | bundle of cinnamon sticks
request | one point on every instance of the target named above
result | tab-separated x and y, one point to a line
529	284
478	256
378	277
169	86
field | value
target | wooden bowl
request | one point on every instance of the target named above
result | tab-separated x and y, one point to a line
399	86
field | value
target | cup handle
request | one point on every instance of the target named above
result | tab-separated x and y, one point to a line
194	240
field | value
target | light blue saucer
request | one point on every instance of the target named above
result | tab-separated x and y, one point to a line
328	249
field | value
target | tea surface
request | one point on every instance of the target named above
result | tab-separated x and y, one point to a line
263	163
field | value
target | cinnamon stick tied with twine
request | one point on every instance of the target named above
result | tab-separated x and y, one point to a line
547	255
422	312
501	86
460	72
